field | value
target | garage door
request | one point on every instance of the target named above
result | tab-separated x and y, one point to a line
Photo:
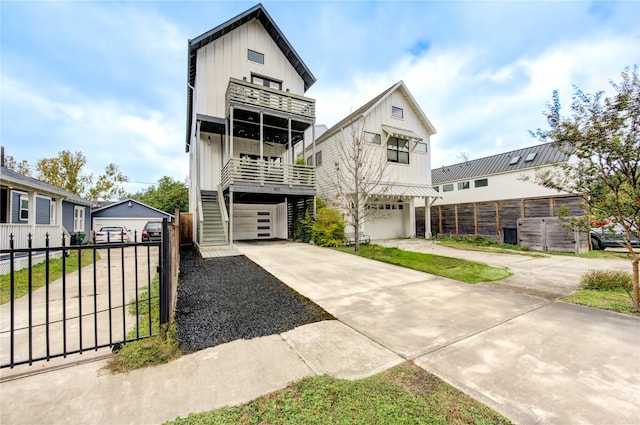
253	222
389	225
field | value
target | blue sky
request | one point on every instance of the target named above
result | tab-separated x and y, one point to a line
109	78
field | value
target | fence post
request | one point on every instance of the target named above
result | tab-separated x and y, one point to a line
165	273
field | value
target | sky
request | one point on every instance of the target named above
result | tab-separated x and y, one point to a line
108	78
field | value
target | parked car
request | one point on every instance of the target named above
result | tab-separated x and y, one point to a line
611	237
152	231
112	234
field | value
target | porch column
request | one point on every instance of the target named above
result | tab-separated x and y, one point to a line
261	135
230	215
427	219
291	153
230	132
412	217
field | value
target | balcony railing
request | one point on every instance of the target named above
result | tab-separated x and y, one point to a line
265	97
265	172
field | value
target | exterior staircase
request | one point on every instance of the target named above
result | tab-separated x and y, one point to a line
212	229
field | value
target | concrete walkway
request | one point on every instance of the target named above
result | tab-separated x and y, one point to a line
533	360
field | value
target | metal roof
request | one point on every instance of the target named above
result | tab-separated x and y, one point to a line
256	12
10	176
405	190
520	159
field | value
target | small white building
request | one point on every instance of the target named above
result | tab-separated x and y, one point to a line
398	136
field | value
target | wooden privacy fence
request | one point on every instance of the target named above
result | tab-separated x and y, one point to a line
548	234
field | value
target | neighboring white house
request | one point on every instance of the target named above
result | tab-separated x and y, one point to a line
398	135
488	195
246	112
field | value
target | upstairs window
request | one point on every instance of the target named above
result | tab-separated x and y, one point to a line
481	183
254	56
373	138
463	185
421	147
398	150
397	112
267	82
318	159
447	187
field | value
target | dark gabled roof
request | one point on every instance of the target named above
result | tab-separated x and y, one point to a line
364	110
142	204
538	155
7	175
256	12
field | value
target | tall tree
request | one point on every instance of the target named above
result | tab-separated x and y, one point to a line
603	135
108	185
360	170
21	167
65	171
168	195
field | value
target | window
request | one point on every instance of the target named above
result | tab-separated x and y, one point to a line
318	158
447	187
530	157
24	208
481	183
254	56
421	147
397	112
267	82
514	160
398	150
309	158
78	219
463	185
373	138
52	212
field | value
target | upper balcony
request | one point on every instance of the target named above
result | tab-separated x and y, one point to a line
267	177
246	93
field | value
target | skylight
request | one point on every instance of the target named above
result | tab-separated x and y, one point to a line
530	157
514	160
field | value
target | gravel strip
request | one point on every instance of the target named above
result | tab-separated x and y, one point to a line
229	298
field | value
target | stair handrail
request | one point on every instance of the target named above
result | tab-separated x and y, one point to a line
223	213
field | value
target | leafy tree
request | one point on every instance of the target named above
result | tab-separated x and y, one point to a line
359	174
603	136
21	167
167	196
107	186
65	171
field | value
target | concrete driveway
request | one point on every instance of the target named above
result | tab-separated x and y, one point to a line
534	360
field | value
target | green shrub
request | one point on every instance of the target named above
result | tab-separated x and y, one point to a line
304	228
607	280
328	229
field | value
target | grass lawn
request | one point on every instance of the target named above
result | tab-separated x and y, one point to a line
158	349
405	394
39	274
614	300
453	268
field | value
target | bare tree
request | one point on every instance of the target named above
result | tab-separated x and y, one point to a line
360	171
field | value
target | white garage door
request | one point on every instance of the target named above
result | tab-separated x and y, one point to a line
131	224
389	225
253	222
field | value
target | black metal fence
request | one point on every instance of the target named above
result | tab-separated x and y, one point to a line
81	297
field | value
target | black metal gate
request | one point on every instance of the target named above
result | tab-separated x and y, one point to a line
76	298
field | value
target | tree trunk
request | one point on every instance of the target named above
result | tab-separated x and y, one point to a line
636	288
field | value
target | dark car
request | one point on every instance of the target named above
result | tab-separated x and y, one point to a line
610	237
152	231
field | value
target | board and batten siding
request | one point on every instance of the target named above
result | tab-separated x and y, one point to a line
226	57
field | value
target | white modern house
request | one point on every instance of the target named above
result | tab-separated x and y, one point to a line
246	113
398	138
488	195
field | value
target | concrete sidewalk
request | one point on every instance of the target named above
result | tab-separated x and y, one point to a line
528	358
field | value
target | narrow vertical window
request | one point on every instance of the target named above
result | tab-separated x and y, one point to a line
24	208
78	219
